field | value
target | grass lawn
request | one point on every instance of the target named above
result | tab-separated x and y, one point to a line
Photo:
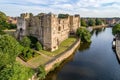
40	59
62	47
37	61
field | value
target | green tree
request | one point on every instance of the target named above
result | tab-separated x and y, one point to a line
4	24
9	49
26	42
1	32
91	22
16	72
83	23
84	34
3	17
116	29
41	72
98	21
63	15
38	46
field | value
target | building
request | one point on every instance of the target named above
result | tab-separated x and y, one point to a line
12	20
47	28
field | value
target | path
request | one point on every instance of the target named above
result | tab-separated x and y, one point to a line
24	63
39	62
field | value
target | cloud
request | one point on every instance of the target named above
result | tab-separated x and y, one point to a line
93	8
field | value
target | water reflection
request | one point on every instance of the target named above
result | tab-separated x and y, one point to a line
97	31
53	74
92	61
84	46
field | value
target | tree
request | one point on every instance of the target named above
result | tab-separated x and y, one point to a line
3	22
98	21
38	46
83	23
84	34
9	49
41	72
1	32
16	72
26	42
3	17
116	29
91	22
63	15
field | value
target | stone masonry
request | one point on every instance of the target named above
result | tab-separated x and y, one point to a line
47	28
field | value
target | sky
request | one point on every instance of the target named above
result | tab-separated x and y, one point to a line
86	8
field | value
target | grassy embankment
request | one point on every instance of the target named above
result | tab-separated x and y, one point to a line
40	60
62	47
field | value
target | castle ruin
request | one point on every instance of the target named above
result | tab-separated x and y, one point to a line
49	29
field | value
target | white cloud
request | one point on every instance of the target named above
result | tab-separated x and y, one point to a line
98	8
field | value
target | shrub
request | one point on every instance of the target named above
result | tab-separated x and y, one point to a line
38	46
41	72
25	42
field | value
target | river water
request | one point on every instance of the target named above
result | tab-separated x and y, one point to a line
92	61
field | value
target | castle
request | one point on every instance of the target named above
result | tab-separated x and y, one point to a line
49	29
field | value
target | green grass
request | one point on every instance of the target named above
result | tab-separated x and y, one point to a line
40	59
37	61
62	47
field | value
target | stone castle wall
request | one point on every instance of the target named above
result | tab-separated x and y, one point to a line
47	28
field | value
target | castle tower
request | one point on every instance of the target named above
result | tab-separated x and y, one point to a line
50	32
74	23
21	28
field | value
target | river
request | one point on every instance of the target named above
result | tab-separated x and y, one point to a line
92	61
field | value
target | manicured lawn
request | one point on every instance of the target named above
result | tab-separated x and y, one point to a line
37	61
62	47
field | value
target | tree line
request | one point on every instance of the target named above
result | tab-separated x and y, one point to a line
91	22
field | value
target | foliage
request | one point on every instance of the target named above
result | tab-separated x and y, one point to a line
12	26
41	72
9	69
116	29
83	23
63	15
91	22
4	24
25	42
38	46
98	21
33	40
84	34
9	48
3	17
15	72
1	32
27	54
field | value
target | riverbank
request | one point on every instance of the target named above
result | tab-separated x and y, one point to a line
100	26
57	60
118	48
61	57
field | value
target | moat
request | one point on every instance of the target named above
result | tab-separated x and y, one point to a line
92	61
